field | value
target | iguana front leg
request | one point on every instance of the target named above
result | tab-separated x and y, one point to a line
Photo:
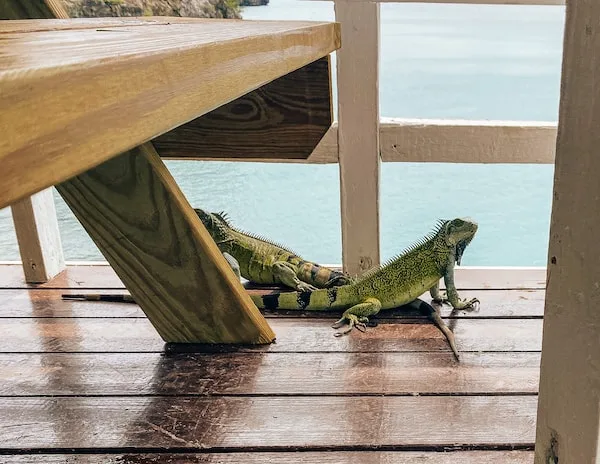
358	316
436	295
286	274
452	293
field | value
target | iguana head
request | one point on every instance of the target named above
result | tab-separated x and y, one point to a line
458	233
216	224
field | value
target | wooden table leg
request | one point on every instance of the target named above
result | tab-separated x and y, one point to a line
140	220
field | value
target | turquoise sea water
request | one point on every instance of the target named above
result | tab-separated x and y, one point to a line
437	61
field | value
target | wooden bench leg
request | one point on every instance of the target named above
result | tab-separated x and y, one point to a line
568	424
38	235
140	220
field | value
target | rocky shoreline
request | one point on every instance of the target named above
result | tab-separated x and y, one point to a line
184	8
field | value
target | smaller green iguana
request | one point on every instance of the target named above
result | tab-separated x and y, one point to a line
262	261
400	281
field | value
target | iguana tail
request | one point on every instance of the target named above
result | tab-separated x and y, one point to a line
321	276
317	300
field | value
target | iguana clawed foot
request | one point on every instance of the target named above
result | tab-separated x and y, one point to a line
465	305
353	321
304	287
358	316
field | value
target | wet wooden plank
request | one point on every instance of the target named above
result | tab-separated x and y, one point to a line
293	335
100	275
284	119
235	423
48	303
331	457
267	374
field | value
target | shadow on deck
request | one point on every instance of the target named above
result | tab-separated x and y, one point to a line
90	382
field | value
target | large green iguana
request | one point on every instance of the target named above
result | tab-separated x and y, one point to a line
402	280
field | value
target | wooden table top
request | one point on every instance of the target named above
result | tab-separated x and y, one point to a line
76	92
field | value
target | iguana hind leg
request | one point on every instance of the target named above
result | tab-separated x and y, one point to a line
358	316
286	274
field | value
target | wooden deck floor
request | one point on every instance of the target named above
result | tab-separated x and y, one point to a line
91	382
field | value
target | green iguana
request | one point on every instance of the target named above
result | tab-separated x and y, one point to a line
400	281
264	262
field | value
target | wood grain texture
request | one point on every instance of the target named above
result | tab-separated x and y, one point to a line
332	457
48	303
34	9
161	76
134	211
293	335
284	119
568	425
265	423
33	25
358	134
38	236
262	374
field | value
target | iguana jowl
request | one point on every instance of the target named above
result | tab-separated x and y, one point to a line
402	280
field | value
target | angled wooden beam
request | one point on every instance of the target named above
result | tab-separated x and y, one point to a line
34	217
568	420
140	220
284	119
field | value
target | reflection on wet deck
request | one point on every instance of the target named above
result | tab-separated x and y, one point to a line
91	382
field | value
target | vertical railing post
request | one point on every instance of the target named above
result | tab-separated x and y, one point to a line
568	420
358	133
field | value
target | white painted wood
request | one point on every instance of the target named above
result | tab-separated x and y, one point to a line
456	141
471	2
450	141
568	420
38	236
358	133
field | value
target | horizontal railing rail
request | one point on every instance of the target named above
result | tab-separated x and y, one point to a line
445	141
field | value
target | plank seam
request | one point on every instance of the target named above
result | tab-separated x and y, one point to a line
265	449
482	394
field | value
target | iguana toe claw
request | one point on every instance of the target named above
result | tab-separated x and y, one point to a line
338	324
472	304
